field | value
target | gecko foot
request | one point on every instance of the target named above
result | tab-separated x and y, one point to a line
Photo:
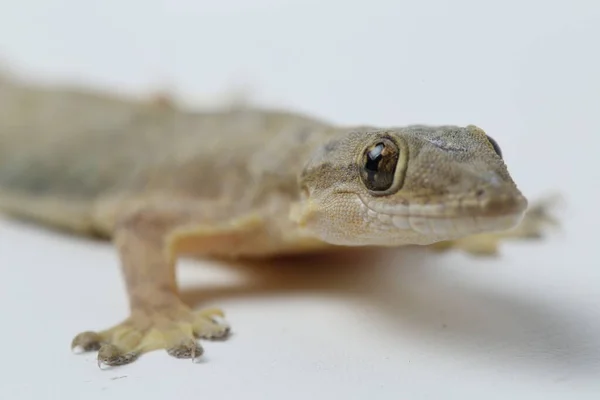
175	329
534	225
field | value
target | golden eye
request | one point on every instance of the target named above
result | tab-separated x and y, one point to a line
495	146
379	163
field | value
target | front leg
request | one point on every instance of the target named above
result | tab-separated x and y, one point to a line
149	240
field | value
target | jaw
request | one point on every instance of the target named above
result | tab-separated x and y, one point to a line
422	224
355	219
377	222
402	231
427	230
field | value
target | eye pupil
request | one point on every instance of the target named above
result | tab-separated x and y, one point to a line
379	165
374	157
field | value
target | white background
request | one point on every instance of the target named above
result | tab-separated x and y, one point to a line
406	325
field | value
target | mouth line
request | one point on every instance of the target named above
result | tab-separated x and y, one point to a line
440	225
457	209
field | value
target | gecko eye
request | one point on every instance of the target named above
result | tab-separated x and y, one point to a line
495	146
379	165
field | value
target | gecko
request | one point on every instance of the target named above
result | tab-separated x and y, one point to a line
161	181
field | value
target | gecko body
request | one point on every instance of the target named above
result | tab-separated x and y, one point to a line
161	182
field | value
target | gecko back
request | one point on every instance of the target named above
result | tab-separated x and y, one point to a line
63	148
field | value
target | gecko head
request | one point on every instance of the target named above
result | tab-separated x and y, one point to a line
412	185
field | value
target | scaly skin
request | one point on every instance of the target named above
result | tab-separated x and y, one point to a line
162	182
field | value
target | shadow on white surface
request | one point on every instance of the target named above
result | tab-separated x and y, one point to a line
416	293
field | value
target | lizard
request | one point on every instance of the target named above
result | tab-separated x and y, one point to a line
161	181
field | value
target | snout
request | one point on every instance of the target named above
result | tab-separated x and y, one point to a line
495	202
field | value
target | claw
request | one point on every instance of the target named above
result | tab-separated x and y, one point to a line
187	349
223	334
111	355
174	329
207	326
86	341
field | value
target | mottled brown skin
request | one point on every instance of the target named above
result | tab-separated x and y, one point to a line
162	182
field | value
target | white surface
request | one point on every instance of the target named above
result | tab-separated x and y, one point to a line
405	326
